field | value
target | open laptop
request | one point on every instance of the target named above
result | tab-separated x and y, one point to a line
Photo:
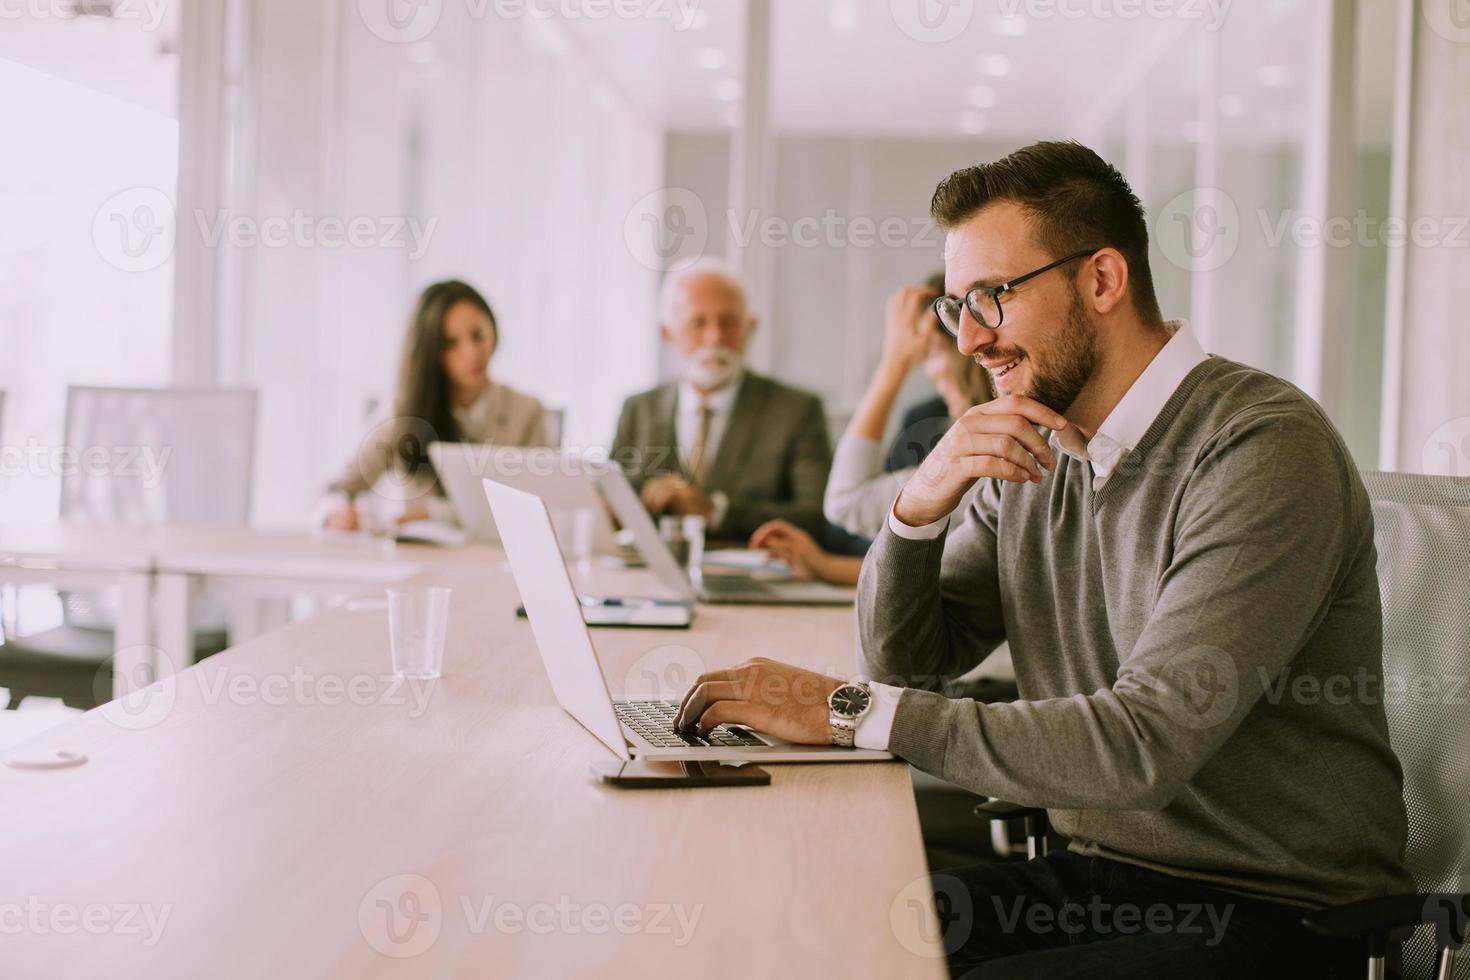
563	479
709	587
641	727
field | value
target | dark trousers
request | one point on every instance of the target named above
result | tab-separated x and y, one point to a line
1065	915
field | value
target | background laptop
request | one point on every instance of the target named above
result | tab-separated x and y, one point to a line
563	479
631	728
711	588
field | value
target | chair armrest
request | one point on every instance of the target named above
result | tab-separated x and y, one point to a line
1449	911
1001	810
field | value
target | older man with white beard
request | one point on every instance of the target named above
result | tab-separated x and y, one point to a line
722	442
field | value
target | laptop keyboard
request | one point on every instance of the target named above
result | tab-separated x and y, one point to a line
733	585
654	722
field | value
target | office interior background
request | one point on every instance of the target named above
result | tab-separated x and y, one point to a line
179	179
250	194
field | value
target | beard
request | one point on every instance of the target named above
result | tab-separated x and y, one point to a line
710	368
1061	369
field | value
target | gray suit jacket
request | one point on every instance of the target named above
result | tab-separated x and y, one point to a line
772	461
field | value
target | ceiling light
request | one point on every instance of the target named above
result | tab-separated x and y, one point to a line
994	65
1011	26
843	16
1273	76
981	96
710	59
547	37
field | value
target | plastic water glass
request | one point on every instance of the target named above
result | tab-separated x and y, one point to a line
576	530
417	619
694	529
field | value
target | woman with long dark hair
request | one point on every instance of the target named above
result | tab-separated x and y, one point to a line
444	394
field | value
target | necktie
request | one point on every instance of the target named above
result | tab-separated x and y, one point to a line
698	464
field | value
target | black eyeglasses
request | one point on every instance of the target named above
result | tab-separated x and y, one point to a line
983	302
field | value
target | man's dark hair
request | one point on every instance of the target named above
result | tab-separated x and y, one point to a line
1075	198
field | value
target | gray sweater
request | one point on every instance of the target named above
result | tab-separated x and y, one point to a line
1160	630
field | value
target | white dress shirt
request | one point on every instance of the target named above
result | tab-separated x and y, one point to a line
1115	438
721	403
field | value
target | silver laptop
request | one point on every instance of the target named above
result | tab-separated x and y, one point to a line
706	587
562	479
641	727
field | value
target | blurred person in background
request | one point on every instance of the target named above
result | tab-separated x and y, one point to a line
864	480
444	394
722	442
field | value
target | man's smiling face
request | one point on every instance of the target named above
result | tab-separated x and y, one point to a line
1046	347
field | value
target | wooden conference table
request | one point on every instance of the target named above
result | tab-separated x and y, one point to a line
285	809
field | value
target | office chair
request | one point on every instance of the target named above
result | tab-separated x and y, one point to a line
1422	530
1422	533
167	456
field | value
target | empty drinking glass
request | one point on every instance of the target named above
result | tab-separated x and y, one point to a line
417	618
576	530
693	528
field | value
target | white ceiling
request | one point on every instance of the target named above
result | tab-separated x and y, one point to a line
846	66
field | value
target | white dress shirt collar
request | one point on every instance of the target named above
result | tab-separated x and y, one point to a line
720	401
1130	419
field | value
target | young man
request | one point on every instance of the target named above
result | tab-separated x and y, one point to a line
1190	533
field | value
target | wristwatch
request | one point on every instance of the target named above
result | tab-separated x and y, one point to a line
845	706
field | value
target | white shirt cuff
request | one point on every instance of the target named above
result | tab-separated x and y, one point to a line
874	728
926	532
719	507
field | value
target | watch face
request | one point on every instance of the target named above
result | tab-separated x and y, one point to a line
850	700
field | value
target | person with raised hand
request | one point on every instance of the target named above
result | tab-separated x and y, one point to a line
863	481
